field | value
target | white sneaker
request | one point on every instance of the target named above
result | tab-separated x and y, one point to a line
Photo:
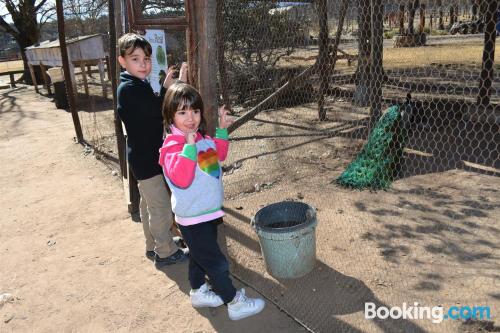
204	297
243	306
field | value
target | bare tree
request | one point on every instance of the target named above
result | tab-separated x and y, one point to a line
154	8
27	17
84	14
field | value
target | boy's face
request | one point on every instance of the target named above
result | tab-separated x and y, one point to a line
137	63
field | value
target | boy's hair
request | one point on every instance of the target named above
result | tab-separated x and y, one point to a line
130	41
185	95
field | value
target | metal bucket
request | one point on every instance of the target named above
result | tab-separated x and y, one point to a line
287	238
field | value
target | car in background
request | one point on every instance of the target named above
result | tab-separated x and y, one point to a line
467	27
473	27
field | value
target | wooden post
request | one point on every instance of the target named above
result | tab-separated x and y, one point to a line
220	54
108	69
192	42
84	76
100	67
33	77
45	78
115	27
66	68
206	55
12	81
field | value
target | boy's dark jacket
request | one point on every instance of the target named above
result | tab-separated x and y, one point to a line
140	110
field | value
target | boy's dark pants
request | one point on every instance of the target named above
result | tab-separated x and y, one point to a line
205	257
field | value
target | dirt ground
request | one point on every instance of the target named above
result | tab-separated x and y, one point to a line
73	260
70	255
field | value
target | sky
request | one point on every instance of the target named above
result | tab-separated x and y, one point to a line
7	18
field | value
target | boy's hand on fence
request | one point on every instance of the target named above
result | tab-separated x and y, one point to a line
183	73
169	78
224	120
190	138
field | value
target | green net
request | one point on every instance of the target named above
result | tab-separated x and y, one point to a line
381	156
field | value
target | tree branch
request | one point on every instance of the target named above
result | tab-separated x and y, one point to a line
8	28
11	7
46	15
37	7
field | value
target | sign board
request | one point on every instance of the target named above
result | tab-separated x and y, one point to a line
158	58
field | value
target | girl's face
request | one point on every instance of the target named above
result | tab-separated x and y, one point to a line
187	119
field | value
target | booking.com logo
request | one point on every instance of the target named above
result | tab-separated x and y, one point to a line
436	313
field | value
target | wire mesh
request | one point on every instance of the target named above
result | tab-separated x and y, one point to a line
383	115
92	74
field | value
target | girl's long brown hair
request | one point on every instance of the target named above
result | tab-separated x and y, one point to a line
186	95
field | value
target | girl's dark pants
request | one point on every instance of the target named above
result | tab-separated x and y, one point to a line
205	257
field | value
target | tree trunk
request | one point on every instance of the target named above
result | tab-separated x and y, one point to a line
474	9
401	19
25	29
422	19
413	5
441	21
361	95
322	56
377	51
23	41
483	98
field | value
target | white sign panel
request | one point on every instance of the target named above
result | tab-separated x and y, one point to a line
158	58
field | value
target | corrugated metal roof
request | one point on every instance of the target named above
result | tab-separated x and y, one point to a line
55	43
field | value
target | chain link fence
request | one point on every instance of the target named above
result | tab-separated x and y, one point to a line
384	116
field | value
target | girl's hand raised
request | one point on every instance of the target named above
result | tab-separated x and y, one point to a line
183	73
224	120
190	138
169	79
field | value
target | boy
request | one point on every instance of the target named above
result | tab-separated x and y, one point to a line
140	110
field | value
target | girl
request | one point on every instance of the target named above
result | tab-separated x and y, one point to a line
190	161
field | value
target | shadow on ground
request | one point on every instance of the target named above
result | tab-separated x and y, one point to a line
319	299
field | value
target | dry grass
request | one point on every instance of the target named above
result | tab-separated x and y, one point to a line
465	53
458	53
6	66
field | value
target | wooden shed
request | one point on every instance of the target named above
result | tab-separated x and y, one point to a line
82	51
